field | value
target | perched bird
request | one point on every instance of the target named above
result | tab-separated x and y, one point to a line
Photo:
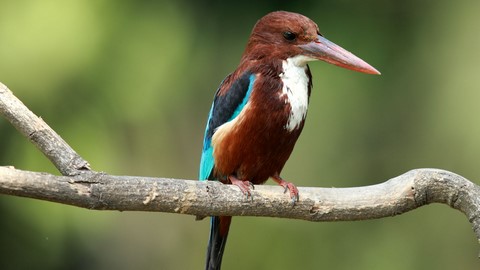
259	110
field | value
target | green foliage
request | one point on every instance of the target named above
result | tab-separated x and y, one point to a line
128	84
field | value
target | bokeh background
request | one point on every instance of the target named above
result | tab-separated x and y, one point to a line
128	84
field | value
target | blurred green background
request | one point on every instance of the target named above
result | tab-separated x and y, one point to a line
128	84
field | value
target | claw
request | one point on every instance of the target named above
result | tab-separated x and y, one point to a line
243	185
288	186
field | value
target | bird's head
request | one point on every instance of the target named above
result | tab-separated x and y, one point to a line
283	35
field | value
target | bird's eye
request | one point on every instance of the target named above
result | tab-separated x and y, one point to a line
289	36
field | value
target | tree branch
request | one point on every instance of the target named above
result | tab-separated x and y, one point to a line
67	161
93	190
101	191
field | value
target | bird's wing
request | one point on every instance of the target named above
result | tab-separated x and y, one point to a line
226	106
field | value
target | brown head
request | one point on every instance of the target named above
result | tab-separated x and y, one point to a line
282	35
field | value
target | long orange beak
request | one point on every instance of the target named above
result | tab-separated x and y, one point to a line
325	50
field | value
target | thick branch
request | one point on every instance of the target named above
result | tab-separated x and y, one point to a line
67	161
88	189
127	193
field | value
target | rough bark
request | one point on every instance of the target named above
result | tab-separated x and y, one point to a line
85	188
67	161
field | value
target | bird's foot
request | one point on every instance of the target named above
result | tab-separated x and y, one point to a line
287	186
243	185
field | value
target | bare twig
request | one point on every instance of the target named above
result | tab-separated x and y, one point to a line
89	189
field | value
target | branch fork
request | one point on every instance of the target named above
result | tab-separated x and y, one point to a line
80	186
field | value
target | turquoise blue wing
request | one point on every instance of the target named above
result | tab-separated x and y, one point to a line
207	161
224	108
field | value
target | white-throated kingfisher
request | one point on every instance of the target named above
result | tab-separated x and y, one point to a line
259	110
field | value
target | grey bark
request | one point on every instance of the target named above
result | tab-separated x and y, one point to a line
67	161
82	187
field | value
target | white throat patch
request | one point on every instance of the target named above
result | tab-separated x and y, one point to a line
295	86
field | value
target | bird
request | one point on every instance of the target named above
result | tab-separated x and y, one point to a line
259	110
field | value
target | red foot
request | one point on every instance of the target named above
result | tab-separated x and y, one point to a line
243	185
288	186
